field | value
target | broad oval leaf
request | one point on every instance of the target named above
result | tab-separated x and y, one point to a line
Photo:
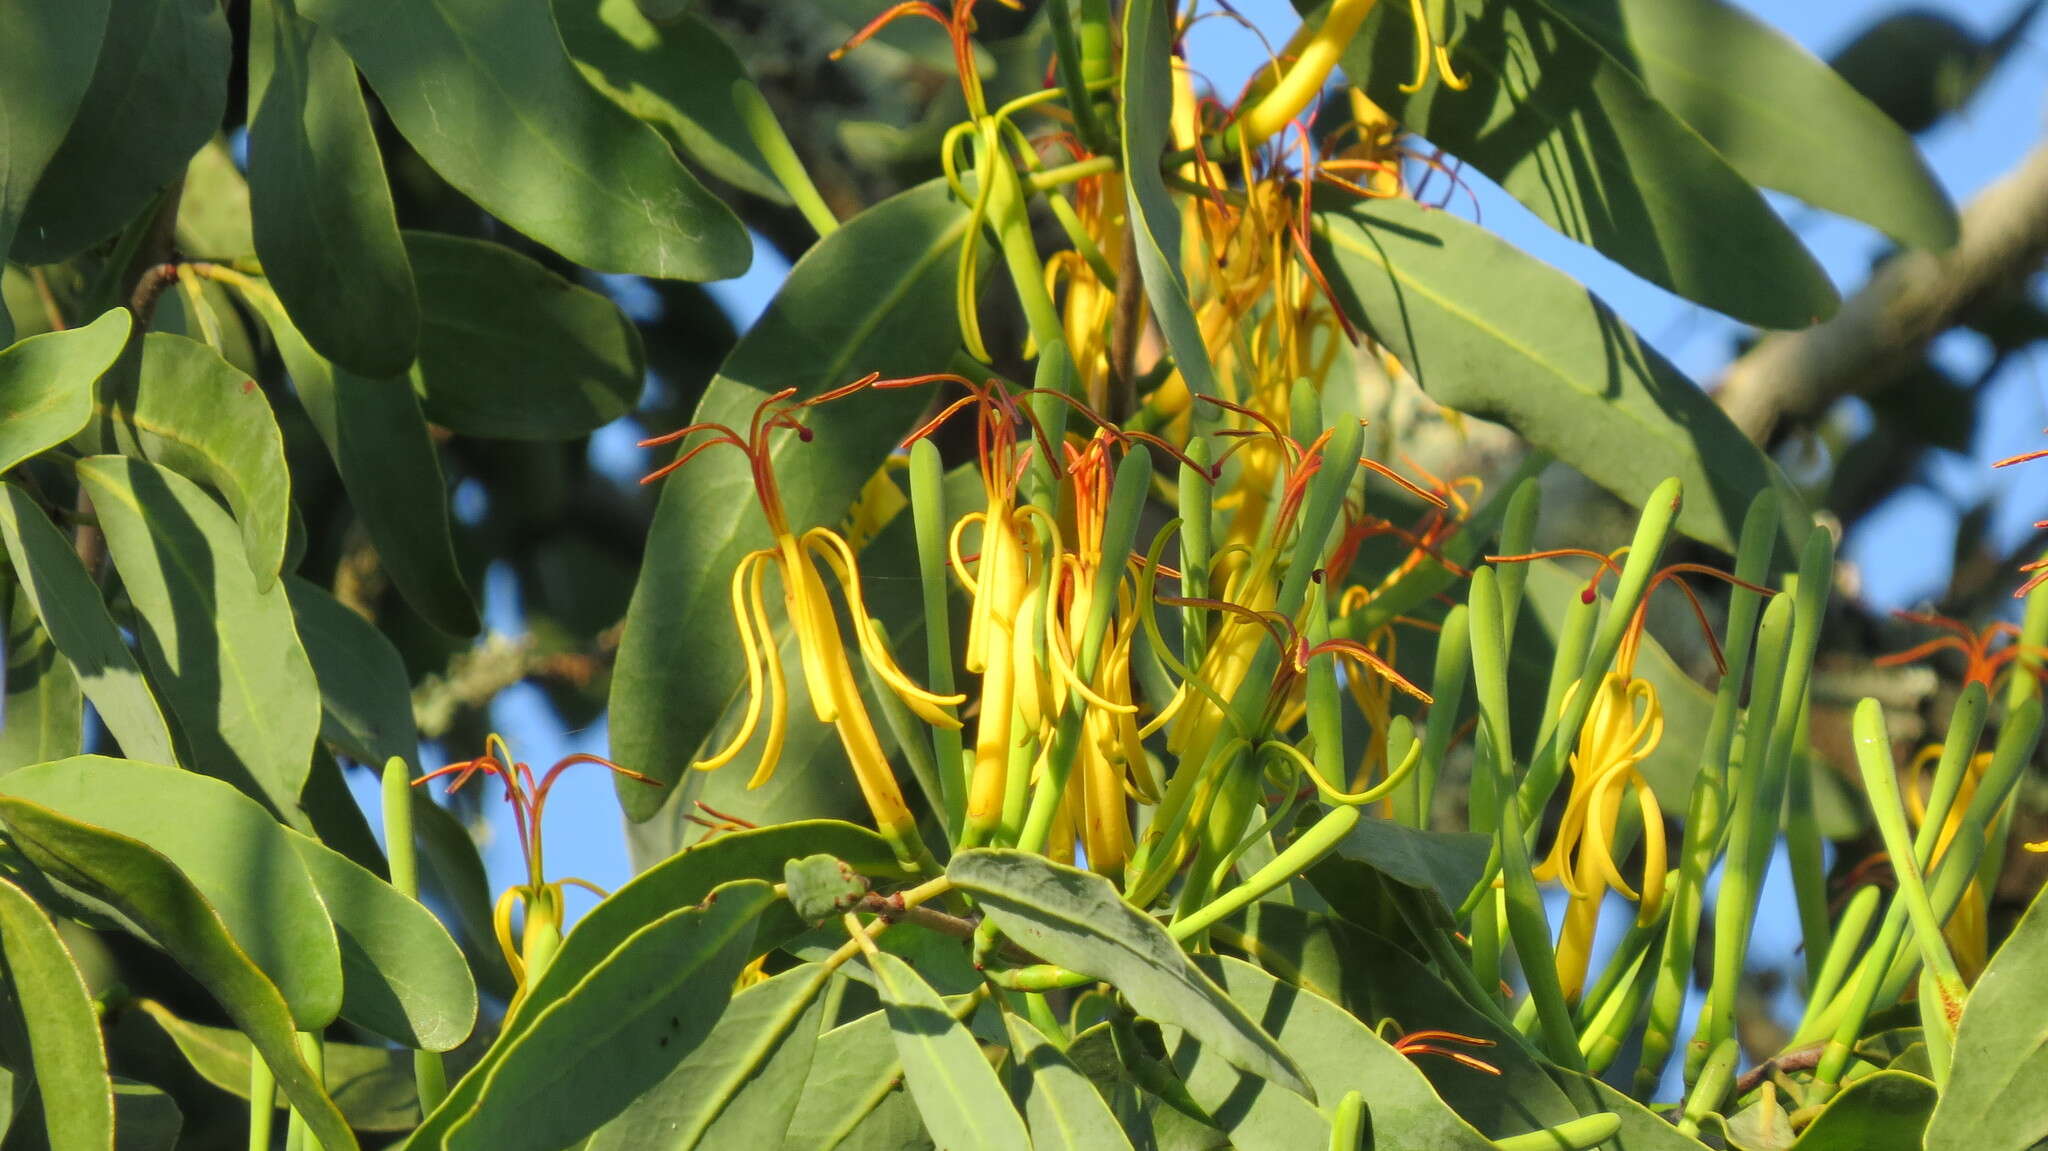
324	224
1060	1105
379	441
1993	1100
1490	331
876	295
56	1010
1146	114
1886	1111
157	95
46	384
741	1085
42	712
1077	920
225	656
66	599
854	1072
1573	135
958	1095
145	1118
1447	864
402	976
1778	114
484	90
149	889
202	417
231	850
618	1032
365	694
46	66
510	350
678	76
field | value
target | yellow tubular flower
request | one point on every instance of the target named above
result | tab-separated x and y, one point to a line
1623	727
828	671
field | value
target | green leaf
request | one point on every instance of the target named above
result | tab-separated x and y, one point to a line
676	76
876	295
365	694
213	214
224	655
148	888
1146	115
379	441
958	1095
820	886
402	976
1447	864
620	1031
204	418
1336	1052
1778	114
157	95
741	1085
1993	1100
510	350
1490	331
373	1086
145	1118
1571	133
1064	1110
42	715
227	846
1641	1128
1078	921
853	1072
488	96
1883	1112
64	596
325	227
452	875
46	66
46	384
63	1027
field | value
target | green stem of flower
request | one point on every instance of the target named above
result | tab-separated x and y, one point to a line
1711	1087
1417	798
775	148
1581	1134
1803	852
1307	849
928	516
430	1077
298	1136
1061	175
1197	546
262	1102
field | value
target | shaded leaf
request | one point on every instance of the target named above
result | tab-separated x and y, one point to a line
46	384
1447	864
1146	113
740	1086
325	227
1062	1107
1886	1111
1778	114
1077	920
677	76
157	94
226	845
876	295
853	1072
149	889
365	694
1490	331
958	1095
1993	1100
486	93
145	1118
213	214
54	582
46	66
225	656
402	976
510	350
1571	133
42	713
63	1027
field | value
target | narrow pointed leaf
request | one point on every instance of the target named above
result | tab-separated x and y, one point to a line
510	350
373	1086
225	656
1993	1101
1447	864
958	1095
740	1086
1062	1108
145	1117
325	228
46	66
42	713
53	581
46	384
1490	331
149	889
158	91
365	694
486	93
65	1050
238	857
1077	920
876	295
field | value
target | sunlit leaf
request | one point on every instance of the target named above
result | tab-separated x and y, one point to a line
56	1012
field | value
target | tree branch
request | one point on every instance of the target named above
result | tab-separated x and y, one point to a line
1880	331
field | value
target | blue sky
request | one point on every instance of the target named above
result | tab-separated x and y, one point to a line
1903	549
